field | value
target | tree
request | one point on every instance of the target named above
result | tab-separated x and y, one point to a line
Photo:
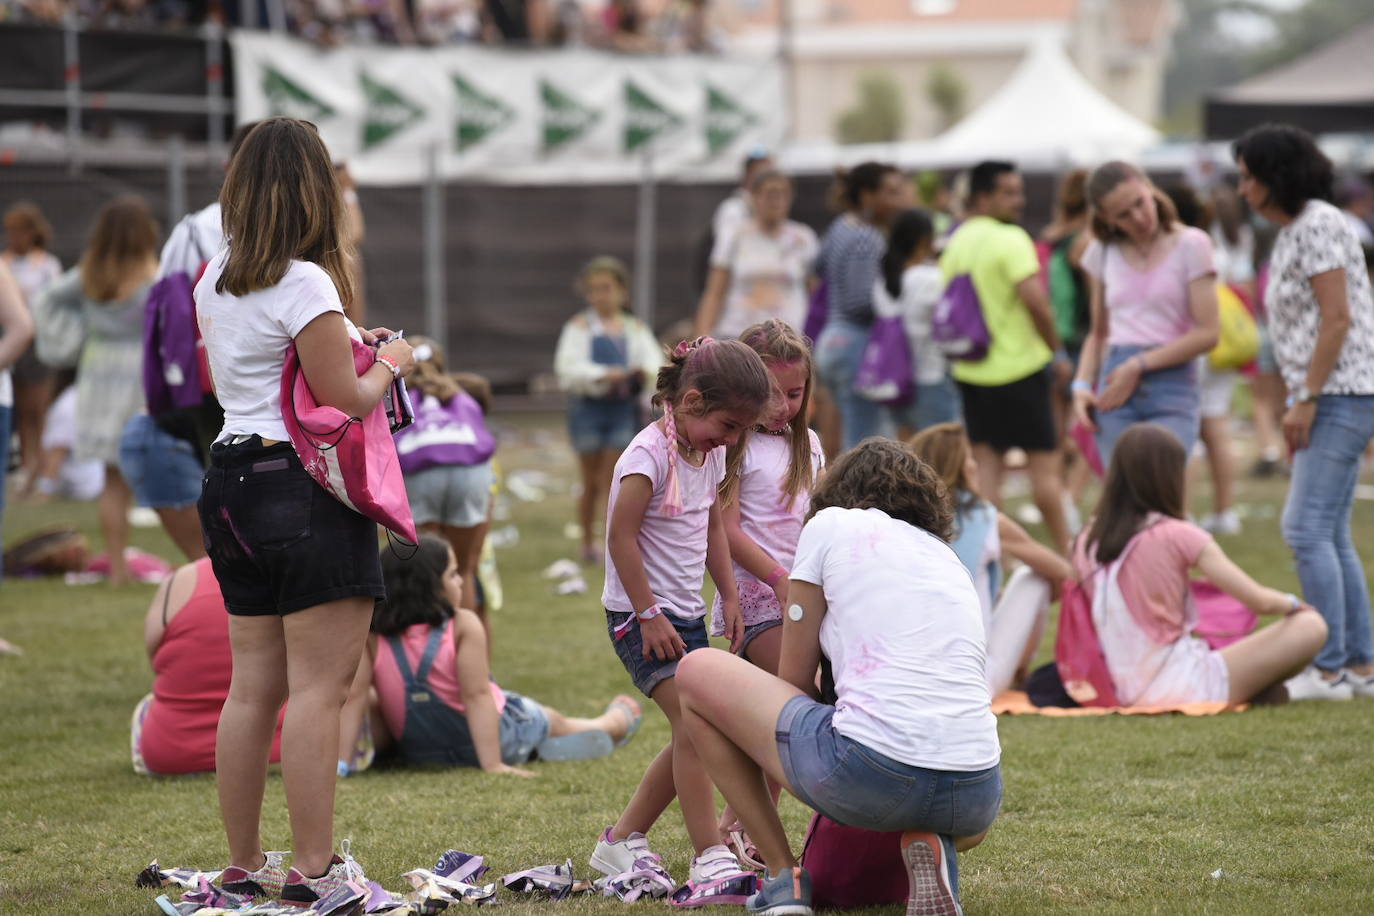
948	92
877	116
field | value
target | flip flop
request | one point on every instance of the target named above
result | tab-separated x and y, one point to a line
632	711
743	848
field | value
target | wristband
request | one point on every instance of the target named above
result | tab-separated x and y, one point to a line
390	363
649	613
776	576
1296	603
1081	385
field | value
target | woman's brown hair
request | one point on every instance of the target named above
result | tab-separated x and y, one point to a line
123	239
728	375
28	216
945	447
1145	476
777	342
429	374
1105	179
880	473
282	203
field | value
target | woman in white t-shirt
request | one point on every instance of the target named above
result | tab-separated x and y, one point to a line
911	742
760	269
299	570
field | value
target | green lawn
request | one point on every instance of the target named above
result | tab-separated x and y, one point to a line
1270	811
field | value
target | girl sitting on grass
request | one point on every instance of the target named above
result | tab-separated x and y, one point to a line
1013	614
911	742
1134	561
436	702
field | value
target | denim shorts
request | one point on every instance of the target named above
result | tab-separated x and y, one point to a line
277	541
1170	397
648	673
451	494
601	424
524	726
754	630
163	470
859	787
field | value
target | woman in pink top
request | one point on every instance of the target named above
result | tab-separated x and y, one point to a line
186	633
1154	311
1135	560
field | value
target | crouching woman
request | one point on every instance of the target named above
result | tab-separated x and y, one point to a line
910	743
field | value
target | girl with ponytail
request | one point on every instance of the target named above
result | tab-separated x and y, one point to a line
664	530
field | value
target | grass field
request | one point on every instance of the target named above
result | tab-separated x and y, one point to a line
1269	811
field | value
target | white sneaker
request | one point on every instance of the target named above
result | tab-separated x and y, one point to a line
1361	685
1310	685
1227	522
616	857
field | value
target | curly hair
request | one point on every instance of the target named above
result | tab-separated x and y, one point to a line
880	473
1287	162
414	588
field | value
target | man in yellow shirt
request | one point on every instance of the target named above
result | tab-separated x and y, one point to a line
1007	394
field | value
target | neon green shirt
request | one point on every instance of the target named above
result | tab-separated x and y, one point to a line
998	256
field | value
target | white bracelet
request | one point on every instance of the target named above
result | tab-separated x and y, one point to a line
649	613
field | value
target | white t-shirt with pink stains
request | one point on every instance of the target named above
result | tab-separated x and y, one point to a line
904	634
673	547
769	518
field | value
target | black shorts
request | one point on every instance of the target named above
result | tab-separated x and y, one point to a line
1016	415
278	542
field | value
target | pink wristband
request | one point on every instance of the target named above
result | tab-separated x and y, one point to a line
776	576
390	364
649	613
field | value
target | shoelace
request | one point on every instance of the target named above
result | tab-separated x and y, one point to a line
352	869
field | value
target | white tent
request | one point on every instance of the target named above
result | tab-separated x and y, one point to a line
1046	110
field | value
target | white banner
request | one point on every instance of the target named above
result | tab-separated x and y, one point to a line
514	116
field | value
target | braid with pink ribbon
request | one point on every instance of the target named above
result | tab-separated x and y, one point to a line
672	496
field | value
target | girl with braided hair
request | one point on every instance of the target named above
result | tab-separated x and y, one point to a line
664	530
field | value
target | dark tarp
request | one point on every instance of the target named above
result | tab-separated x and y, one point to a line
1329	90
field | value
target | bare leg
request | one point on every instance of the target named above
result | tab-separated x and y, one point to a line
590	465
115	500
243	743
1273	654
614	722
764	651
1266	390
31	402
182	525
990	470
1047	489
653	794
736	740
1216	435
323	646
355	708
467	550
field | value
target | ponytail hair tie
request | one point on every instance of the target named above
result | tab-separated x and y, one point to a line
685	347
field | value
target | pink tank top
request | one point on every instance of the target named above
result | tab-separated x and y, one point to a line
191	671
442	676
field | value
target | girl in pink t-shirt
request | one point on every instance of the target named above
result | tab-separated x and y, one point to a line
1152	289
664	530
1135	560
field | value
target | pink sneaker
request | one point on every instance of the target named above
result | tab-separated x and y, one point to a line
266	882
301	890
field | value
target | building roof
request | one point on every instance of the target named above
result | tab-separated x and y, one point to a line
1342	71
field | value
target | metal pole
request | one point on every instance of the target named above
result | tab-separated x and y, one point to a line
787	56
71	76
214	91
646	239
276	15
248	14
176	180
436	313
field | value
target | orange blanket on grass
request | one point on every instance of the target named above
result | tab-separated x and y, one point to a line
1015	702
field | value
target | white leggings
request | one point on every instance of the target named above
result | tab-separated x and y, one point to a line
1018	622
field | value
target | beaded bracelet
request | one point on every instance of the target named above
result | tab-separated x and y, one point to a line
390	363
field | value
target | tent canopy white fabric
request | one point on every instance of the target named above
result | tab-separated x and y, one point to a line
1047	109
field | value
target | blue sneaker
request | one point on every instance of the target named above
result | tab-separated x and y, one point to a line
932	870
786	894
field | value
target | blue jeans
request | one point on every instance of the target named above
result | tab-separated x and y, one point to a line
1316	525
162	470
935	403
5	413
838	353
1169	397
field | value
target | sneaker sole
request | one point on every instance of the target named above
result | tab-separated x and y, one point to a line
928	895
605	866
738	889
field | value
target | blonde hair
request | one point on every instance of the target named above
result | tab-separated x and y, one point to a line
945	447
282	202
777	342
430	375
123	239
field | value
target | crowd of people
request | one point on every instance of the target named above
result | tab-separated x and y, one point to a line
874	594
630	26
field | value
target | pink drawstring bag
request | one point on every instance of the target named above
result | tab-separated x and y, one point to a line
1078	653
1221	619
853	867
1086	440
353	458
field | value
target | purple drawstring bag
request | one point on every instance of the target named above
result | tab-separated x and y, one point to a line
885	371
817	311
957	324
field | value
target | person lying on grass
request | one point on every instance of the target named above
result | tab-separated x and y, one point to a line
1134	560
911	742
433	699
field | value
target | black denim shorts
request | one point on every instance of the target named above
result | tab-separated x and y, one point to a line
278	542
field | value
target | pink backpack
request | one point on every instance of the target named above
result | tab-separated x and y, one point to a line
853	867
353	458
1078	653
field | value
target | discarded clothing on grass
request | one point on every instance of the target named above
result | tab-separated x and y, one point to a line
155	877
646	879
553	882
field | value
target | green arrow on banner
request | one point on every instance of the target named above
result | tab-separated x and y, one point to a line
725	120
565	118
479	114
286	98
645	118
387	111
